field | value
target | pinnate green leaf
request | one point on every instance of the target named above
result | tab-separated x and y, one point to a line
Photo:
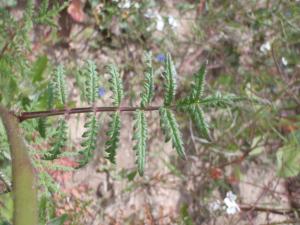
140	135
114	136
89	139
171	130
169	76
116	85
198	86
198	117
147	94
39	68
59	85
59	140
91	82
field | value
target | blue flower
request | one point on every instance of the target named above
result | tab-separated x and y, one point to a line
101	91
160	57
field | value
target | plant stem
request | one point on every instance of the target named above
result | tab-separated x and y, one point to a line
23	176
267	210
65	111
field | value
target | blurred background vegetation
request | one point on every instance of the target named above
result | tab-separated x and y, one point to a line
252	48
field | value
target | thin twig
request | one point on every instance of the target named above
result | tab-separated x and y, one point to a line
285	222
267	210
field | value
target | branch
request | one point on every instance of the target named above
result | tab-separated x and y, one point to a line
65	111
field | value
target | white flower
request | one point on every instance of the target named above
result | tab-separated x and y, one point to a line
284	61
159	23
125	4
214	206
149	14
137	5
231	206
173	22
264	48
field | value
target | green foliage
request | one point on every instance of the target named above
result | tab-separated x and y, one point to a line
91	82
6	211
197	115
140	135
171	130
185	216
59	85
28	19
59	140
147	94
46	14
42	126
196	90
169	76
198	86
288	157
116	85
192	104
23	78
50	96
14	47
39	68
114	135
221	100
4	146
58	220
90	138
46	209
23	86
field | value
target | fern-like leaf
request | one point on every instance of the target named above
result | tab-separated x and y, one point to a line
186	102
140	135
169	76
113	134
90	138
197	89
47	13
116	85
59	85
198	86
171	130
50	95
59	140
27	20
221	100
147	94
42	126
91	82
198	117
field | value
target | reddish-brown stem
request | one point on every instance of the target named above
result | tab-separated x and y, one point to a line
55	112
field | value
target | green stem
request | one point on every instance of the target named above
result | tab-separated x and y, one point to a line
23	176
